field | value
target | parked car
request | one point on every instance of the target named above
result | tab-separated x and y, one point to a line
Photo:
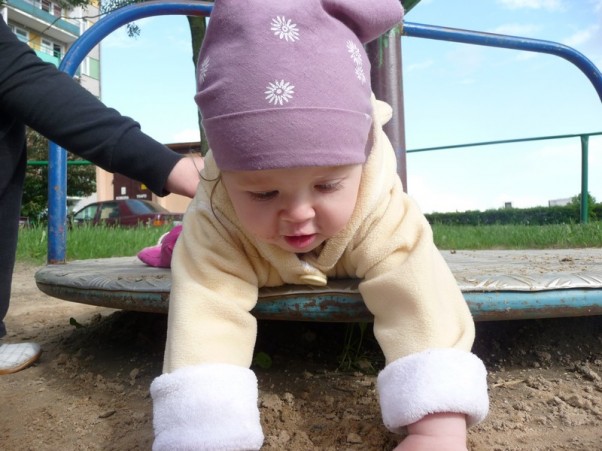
125	213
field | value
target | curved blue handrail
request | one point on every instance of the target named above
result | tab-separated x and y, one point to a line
508	42
57	157
57	166
122	16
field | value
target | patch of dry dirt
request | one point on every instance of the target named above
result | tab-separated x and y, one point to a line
89	391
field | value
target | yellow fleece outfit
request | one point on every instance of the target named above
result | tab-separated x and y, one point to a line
421	320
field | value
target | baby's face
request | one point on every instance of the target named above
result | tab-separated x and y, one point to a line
296	209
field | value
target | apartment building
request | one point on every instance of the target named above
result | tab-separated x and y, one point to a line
50	29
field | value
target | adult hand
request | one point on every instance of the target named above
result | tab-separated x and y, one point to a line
185	175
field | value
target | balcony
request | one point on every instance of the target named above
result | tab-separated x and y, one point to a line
48	57
30	15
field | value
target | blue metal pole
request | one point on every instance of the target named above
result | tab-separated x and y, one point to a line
57	166
57	203
509	42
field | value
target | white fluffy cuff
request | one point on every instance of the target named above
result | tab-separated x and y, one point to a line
433	381
206	407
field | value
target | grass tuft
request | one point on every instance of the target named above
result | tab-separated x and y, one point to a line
88	242
103	242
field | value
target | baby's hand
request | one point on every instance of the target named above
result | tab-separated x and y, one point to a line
438	431
417	442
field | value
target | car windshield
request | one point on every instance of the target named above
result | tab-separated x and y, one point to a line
140	207
86	213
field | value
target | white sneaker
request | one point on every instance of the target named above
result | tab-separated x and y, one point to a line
17	356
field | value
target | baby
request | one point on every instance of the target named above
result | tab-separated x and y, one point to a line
300	186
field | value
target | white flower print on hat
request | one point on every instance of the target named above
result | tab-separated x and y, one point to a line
354	53
279	92
356	56
284	29
203	70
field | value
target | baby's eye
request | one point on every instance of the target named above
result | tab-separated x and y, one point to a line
328	187
263	195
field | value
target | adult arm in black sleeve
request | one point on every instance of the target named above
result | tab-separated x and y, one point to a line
50	102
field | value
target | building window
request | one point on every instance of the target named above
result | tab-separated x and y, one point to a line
90	67
57	51
52	48
94	68
21	33
85	66
51	8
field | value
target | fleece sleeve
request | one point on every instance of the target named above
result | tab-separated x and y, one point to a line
214	289
422	323
207	397
211	406
421	319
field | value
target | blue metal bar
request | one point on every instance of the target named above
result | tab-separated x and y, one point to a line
485	306
504	305
57	203
57	166
101	283
508	42
122	16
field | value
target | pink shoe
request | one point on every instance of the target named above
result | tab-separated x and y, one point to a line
160	254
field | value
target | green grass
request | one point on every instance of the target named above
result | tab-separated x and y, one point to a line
554	236
102	242
88	242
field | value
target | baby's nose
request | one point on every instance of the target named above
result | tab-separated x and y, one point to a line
299	211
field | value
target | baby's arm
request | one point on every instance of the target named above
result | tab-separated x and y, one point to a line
207	397
440	431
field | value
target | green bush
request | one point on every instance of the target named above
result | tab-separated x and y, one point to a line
568	214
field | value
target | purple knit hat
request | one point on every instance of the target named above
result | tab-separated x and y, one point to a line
286	83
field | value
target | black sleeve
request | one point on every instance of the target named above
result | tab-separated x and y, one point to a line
50	102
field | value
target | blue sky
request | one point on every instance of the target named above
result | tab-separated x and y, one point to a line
454	94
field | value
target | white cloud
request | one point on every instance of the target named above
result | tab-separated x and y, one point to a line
421	65
175	38
468	81
515	29
119	40
466	59
549	5
554	148
525	56
433	198
582	36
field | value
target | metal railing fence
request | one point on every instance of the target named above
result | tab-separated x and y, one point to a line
583	137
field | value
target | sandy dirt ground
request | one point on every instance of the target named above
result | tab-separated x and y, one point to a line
89	391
